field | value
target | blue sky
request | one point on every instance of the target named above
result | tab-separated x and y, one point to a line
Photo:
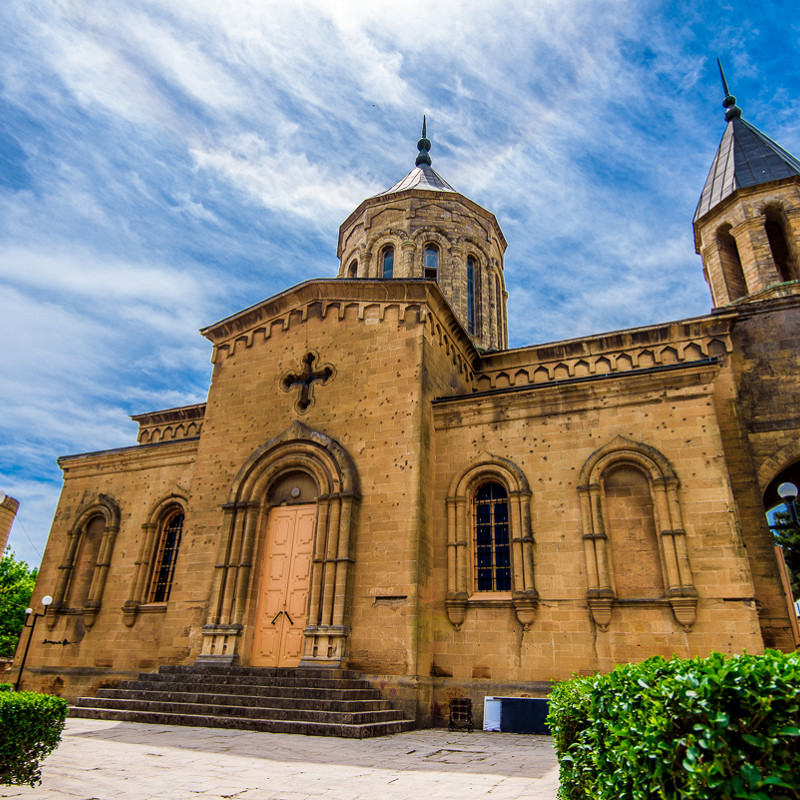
164	163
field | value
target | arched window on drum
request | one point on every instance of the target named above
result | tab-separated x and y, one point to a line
431	262
387	262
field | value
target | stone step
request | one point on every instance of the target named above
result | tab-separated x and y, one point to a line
279	700
252	698
217	678
238	711
293	672
348	731
261	690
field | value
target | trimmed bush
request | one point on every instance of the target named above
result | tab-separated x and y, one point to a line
6	687
719	727
30	729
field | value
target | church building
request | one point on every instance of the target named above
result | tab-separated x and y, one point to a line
377	483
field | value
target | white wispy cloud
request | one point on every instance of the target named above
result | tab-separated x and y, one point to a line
167	163
284	180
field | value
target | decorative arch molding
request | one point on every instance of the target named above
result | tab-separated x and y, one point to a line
107	508
524	596
376	242
430	235
654	462
143	565
469	245
776	462
378	246
664	485
353	254
330	466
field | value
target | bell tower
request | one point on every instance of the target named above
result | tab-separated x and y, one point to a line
747	223
422	228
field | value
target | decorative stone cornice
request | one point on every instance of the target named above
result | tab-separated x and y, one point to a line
184	422
547	398
338	299
678	342
123	459
179	414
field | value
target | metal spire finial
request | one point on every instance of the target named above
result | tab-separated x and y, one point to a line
730	101
424	145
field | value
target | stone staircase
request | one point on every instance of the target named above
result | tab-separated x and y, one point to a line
330	702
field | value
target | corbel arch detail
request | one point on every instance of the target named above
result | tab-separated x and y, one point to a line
105	508
331	468
489	468
671	536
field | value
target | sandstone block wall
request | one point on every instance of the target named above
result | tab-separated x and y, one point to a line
549	434
404	397
84	652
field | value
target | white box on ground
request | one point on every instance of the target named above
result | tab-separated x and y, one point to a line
491	713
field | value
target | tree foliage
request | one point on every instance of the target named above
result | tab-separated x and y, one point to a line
17	580
30	729
715	728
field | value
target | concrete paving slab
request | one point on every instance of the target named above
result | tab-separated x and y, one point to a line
106	760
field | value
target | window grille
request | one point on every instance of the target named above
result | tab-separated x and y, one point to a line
166	556
491	539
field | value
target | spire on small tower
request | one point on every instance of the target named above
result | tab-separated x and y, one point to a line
745	157
423	145
730	101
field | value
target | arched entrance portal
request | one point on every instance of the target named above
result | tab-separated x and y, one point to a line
782	507
282	600
305	556
284	571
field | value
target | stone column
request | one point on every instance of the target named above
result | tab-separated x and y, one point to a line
408	260
756	255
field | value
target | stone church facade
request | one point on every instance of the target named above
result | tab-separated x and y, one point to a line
376	481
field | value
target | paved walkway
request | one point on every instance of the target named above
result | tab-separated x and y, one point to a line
102	760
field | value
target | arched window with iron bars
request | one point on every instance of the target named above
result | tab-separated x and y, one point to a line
166	555
491	540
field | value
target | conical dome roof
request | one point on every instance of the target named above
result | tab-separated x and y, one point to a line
745	157
423	176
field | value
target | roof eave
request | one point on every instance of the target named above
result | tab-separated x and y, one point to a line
421	193
728	200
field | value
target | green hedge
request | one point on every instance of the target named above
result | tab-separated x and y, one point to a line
726	728
30	729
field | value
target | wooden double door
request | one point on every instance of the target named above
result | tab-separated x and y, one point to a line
282	605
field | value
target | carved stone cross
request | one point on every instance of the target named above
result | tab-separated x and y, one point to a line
306	379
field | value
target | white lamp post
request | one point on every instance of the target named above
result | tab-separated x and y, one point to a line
30	616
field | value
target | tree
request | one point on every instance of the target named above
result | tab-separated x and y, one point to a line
787	535
17	580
